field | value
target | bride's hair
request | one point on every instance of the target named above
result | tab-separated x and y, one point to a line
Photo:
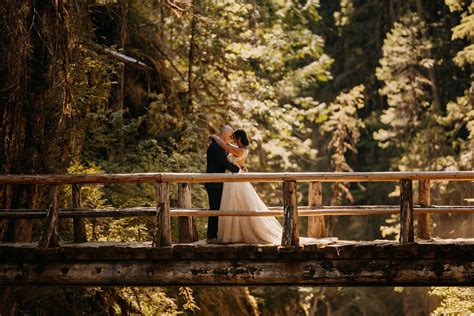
242	136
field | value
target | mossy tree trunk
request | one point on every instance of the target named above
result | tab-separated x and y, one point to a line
37	45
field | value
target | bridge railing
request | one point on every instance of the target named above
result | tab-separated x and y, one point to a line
290	211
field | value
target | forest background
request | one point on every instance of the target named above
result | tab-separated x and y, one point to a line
319	85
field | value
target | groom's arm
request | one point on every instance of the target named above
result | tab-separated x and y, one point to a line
222	158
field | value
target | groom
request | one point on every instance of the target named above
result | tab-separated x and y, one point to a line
217	163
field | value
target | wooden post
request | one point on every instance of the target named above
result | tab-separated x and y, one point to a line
406	211
79	226
49	237
162	236
316	225
186	224
291	234
423	222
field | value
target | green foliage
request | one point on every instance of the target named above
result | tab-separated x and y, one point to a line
455	300
148	301
280	104
393	227
266	74
97	301
343	126
403	67
464	30
92	196
187	294
342	17
459	117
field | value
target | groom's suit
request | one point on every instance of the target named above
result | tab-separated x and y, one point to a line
216	163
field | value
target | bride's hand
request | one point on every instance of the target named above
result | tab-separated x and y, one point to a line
211	138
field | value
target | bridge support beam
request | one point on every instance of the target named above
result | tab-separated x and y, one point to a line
291	227
316	224
79	225
408	272
50	236
406	212
423	222
334	262
186	224
162	236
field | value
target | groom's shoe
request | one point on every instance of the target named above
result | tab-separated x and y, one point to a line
213	241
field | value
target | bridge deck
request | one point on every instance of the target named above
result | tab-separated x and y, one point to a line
329	262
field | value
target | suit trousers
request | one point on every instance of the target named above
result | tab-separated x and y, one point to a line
214	195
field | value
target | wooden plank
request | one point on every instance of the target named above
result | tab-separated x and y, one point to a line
145	211
291	234
79	225
82	178
23	215
162	235
324	248
69	251
316	224
204	213
406	211
271	208
242	272
241	177
49	237
186	224
423	219
318	176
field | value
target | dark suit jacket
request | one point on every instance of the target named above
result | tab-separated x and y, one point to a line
217	163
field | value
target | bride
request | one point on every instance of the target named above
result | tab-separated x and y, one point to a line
241	196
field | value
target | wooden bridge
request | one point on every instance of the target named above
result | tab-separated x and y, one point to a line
329	261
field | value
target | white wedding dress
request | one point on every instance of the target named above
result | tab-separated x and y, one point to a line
241	196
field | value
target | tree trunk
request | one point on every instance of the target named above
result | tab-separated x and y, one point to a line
392	12
431	71
118	148
419	9
7	302
36	44
192	44
253	18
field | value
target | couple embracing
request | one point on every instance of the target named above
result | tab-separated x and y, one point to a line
227	152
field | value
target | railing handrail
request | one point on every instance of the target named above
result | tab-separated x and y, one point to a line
169	177
290	234
274	211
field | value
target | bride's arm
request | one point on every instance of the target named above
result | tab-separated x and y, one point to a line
236	151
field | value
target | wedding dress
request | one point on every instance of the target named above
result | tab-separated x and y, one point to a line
241	196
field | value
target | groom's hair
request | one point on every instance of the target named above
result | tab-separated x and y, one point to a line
242	136
226	128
